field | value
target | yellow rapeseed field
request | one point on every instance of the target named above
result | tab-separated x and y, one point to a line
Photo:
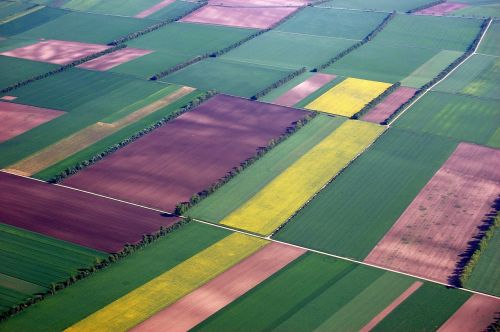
143	302
289	191
348	97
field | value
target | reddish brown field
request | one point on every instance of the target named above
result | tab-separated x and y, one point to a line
154	9
435	229
258	3
243	17
390	308
8	98
389	105
202	303
304	89
442	9
75	216
55	51
188	154
474	315
15	119
114	59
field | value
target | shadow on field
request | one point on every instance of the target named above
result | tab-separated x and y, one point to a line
473	245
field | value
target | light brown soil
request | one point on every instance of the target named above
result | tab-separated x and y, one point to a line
8	98
304	89
435	229
474	315
258	3
390	104
154	9
15	119
442	9
390	308
221	291
114	59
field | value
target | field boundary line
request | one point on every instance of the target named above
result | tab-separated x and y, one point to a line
474	52
268	238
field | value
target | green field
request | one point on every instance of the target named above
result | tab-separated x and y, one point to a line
426	310
9	9
226	76
30	21
31	263
332	23
289	50
479	76
86	96
386	5
430	69
17	70
486	274
491	42
459	116
285	87
430	32
347	221
89	295
244	186
174	10
479	8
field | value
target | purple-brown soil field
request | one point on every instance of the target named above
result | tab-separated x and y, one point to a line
389	105
154	9
188	154
442	9
70	215
114	59
304	89
435	229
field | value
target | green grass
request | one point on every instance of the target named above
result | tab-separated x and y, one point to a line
226	76
113	7
86	96
289	50
387	5
174	10
491	41
30	21
333	23
17	70
85	27
479	76
115	138
347	221
89	295
462	117
377	62
150	64
433	32
31	262
425	310
430	69
241	188
486	274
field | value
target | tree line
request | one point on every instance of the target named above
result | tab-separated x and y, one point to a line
376	101
278	83
427	5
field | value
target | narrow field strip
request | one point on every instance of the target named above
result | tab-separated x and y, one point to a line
389	105
165	289
90	135
153	9
282	197
304	89
221	291
348	97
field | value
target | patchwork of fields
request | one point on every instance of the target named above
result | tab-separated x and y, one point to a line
249	165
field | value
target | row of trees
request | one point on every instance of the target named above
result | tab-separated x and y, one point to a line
182	208
377	100
442	74
278	83
98	265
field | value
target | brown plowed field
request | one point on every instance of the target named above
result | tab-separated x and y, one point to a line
114	59
154	9
202	303
436	227
389	105
442	9
15	119
74	216
55	51
258	3
304	89
243	17
474	315
188	154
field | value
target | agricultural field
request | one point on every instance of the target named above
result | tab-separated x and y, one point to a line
481	8
491	40
15	70
389	105
382	5
292	96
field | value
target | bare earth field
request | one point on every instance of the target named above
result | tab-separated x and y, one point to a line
75	216
154	9
55	51
442	9
188	154
221	291
243	17
17	118
258	3
304	89
435	229
482	309
114	59
389	105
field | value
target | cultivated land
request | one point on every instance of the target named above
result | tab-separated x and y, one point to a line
74	216
223	290
290	190
146	300
114	59
188	154
491	41
16	118
435	229
304	89
441	9
389	105
386	5
483	309
15	70
391	172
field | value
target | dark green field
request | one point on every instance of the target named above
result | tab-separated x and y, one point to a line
491	42
17	70
387	5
